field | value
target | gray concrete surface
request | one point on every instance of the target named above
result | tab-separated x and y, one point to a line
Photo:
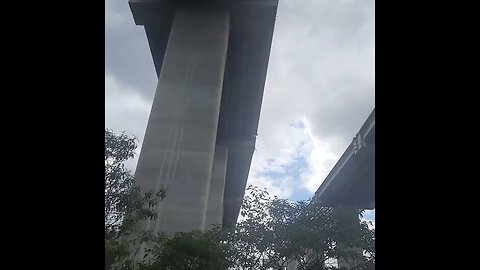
217	188
178	149
251	26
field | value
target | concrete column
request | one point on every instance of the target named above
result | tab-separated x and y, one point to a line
178	149
217	186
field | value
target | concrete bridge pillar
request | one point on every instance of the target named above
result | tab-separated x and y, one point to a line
178	149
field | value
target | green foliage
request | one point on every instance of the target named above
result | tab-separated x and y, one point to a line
272	233
196	250
125	203
276	232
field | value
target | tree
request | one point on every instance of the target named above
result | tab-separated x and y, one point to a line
276	232
196	250
125	203
272	234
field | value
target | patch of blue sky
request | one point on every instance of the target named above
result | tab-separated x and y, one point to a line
369	215
293	171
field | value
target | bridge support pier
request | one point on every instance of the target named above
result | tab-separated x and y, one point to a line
178	149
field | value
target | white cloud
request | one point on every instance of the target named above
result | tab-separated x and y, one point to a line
321	72
320	161
297	144
280	186
121	98
269	163
125	111
371	225
113	17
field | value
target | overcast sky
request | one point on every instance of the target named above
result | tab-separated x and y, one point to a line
320	88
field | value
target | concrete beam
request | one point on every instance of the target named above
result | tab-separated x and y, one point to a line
178	150
351	182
